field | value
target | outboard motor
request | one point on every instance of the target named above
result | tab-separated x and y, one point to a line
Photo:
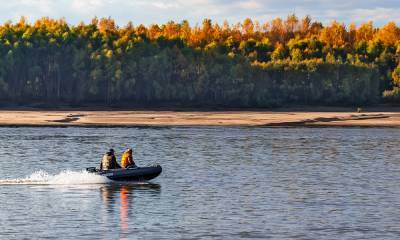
91	169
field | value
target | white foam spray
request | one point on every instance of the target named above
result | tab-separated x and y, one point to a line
66	177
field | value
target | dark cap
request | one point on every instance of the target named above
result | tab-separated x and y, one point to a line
111	150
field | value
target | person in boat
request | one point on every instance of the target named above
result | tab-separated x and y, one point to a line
127	159
109	161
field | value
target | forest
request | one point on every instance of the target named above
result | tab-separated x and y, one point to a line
248	64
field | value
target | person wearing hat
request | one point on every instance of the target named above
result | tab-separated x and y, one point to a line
127	159
109	161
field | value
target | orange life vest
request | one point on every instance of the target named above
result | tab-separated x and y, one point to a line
126	159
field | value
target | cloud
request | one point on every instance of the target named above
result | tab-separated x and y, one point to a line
377	15
87	6
161	11
163	5
250	4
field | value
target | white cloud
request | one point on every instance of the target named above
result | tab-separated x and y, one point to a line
377	15
250	4
42	6
164	5
87	6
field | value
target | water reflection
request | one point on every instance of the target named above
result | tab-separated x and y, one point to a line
124	208
120	196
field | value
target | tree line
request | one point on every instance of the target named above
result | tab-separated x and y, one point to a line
248	64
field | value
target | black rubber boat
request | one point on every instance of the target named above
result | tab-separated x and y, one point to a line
129	174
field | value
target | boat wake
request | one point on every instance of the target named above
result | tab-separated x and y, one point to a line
65	177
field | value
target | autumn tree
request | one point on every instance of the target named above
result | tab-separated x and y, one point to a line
249	63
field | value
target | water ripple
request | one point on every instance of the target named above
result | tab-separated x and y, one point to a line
217	183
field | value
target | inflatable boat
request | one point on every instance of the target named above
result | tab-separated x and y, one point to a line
129	174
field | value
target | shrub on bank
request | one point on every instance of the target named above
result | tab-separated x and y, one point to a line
392	95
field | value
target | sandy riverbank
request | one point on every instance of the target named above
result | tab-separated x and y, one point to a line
327	117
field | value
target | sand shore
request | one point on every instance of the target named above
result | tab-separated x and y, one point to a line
345	118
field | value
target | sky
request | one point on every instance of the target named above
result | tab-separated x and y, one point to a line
162	11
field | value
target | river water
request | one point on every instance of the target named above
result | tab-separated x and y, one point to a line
217	183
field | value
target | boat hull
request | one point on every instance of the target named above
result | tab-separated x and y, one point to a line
131	174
